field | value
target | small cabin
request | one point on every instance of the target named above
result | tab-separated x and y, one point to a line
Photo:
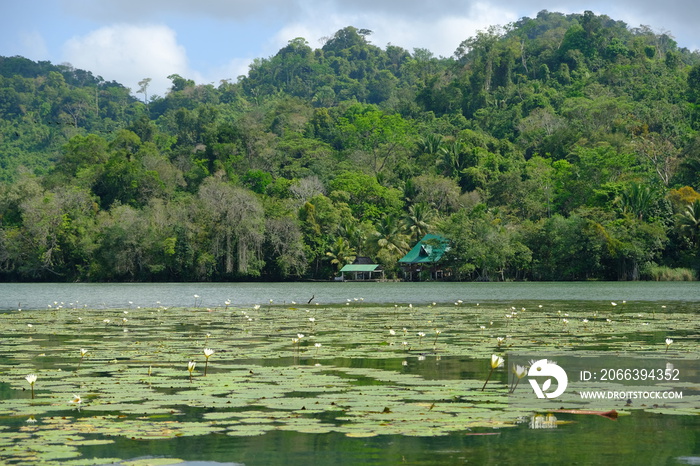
425	256
362	269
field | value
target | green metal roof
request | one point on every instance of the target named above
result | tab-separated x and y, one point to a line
359	268
428	250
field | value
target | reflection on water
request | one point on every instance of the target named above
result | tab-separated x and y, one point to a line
640	438
541	421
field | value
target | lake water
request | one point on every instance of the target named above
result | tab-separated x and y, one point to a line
124	295
50	348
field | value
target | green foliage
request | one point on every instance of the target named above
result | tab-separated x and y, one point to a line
560	147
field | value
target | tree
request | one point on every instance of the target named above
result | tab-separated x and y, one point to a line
340	253
388	242
418	221
284	247
690	221
637	199
235	223
660	153
143	88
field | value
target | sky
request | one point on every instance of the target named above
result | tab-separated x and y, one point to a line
212	40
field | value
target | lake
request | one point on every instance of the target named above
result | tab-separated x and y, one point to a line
368	373
116	295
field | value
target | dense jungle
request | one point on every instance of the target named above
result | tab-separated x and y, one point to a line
560	147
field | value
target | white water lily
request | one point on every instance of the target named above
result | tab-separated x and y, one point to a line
190	368
77	400
496	361
669	341
519	372
437	334
83	352
31	378
207	353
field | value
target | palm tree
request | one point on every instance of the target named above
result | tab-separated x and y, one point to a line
341	253
637	199
355	235
430	144
389	242
452	158
690	221
418	221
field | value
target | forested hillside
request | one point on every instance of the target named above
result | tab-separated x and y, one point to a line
561	147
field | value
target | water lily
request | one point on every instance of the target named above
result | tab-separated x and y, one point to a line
76	401
519	372
668	343
31	378
437	334
190	368
496	361
500	340
207	353
420	336
83	352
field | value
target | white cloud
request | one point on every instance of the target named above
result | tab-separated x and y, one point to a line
440	35
128	53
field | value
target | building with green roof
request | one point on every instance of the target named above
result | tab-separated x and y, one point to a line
362	271
425	255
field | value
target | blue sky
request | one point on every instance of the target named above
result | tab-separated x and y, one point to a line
211	40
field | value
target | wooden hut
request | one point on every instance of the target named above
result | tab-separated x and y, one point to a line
425	255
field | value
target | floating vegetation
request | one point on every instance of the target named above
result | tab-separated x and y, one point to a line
361	371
